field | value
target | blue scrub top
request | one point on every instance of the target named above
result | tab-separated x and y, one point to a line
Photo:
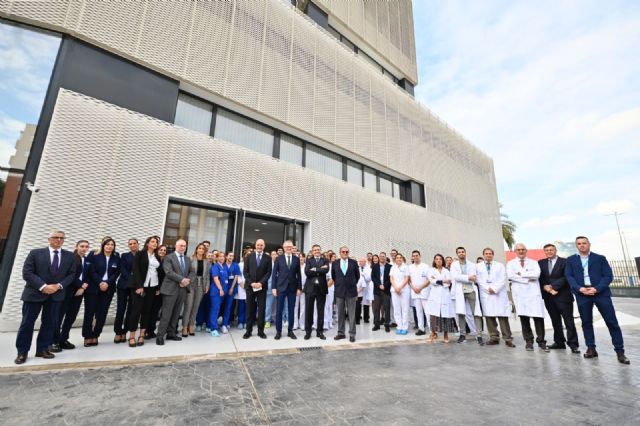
222	272
233	271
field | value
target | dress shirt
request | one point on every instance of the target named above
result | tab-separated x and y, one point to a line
152	272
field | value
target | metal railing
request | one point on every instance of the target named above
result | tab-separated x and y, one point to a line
625	274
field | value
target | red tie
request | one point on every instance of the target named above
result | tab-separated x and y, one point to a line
522	262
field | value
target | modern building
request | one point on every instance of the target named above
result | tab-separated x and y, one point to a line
233	120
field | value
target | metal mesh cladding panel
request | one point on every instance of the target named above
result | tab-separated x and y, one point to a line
134	164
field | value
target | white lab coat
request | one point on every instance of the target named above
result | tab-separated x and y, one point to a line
493	305
365	286
439	301
459	279
525	287
241	294
419	275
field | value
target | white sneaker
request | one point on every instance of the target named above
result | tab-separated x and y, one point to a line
240	327
224	330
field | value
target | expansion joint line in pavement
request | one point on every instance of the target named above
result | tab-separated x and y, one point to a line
259	407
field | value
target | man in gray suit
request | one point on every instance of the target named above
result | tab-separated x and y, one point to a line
174	290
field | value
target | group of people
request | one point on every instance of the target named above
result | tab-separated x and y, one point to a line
209	289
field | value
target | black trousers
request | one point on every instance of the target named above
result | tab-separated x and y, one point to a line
155	314
96	307
360	310
527	334
123	307
68	314
256	301
30	313
309	299
383	300
562	311
141	308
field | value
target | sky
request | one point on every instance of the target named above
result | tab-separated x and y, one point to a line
551	91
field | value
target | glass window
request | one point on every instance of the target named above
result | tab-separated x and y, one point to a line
370	179
193	114
386	186
396	190
348	43
354	173
323	161
291	149
370	60
417	193
195	225
236	129
333	32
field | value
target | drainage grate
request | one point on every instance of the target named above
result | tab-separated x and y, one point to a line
310	348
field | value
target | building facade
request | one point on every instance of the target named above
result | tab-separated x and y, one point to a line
233	120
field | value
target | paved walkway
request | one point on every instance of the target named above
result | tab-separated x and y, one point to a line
403	383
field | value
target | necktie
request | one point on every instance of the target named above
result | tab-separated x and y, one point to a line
182	264
288	261
55	265
522	262
489	268
259	257
550	266
317	259
344	267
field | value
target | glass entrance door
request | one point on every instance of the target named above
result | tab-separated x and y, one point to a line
274	231
196	224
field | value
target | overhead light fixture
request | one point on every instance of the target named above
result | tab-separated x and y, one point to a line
264	223
257	230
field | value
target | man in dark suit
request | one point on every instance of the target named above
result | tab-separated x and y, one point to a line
257	270
315	291
589	275
286	285
345	274
47	272
178	274
558	299
381	292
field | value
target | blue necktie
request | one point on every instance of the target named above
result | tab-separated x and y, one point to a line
55	265
344	267
182	265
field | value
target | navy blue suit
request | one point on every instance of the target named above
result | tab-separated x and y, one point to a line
381	297
123	294
287	280
96	301
71	305
600	275
346	293
560	306
36	273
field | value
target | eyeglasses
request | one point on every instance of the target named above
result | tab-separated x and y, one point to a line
57	238
344	251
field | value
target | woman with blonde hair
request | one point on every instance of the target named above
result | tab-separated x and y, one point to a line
199	288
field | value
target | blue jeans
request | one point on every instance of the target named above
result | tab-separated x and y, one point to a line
605	306
214	312
288	296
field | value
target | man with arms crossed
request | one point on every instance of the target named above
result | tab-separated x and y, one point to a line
467	297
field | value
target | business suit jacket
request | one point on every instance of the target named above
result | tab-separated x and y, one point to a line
36	272
139	269
556	279
173	274
318	278
81	270
126	270
206	272
254	273
375	278
346	285
600	274
286	278
98	266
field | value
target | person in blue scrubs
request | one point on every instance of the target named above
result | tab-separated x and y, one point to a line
219	276
230	290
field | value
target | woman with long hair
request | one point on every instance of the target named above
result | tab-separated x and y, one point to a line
104	270
143	286
157	298
439	301
233	271
201	265
219	276
400	294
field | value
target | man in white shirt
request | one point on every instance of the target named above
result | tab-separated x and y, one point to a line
467	300
494	297
419	283
523	274
362	304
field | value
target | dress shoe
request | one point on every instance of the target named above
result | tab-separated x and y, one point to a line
307	336
55	348
528	346
246	335
159	341
510	344
393	325
67	345
262	335
366	321
375	328
461	339
556	345
480	341
543	347
387	328
45	355
357	322
591	353
291	335
321	336
493	342
622	359
174	338
420	333
278	336
575	350
339	337
87	343
21	359
151	335
352	339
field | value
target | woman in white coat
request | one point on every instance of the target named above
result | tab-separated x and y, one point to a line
439	303
400	294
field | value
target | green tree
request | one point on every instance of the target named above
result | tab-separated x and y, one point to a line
508	229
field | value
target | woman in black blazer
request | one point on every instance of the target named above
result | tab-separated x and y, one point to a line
143	286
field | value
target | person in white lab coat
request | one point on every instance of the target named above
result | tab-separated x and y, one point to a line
400	294
494	297
467	300
419	284
299	310
439	302
525	286
362	304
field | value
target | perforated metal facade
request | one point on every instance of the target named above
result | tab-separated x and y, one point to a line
265	57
